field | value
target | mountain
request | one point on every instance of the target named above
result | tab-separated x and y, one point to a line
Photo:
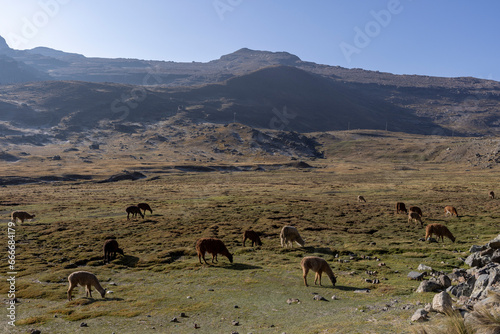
277	98
275	90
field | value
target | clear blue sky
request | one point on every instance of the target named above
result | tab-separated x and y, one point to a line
438	38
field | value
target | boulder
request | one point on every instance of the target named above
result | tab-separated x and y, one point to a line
420	315
415	275
479	286
429	286
475	260
495	244
442	303
476	248
445	281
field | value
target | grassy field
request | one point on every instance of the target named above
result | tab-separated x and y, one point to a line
160	276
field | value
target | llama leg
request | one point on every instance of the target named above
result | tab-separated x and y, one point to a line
89	290
69	290
305	271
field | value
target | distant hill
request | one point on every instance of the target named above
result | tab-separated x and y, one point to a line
277	98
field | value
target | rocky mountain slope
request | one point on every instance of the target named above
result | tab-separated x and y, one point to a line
274	90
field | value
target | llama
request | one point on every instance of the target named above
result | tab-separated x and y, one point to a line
145	207
449	210
21	215
289	234
400	207
415	217
491	194
361	199
318	265
86	279
212	246
134	210
253	236
110	249
416	209
439	230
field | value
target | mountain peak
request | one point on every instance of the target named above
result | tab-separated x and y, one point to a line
3	44
271	58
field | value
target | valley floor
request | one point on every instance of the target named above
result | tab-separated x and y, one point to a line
159	277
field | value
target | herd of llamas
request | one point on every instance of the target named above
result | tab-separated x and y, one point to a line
213	246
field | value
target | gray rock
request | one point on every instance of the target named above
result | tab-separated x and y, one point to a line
475	260
445	281
415	275
488	302
318	297
420	315
480	285
429	286
495	257
442	302
495	244
476	248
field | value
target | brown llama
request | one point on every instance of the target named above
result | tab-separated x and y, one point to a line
21	215
401	207
134	211
145	207
253	236
319	266
212	246
449	210
439	230
415	217
110	249
416	209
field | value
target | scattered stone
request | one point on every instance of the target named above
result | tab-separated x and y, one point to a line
183	315
431	240
381	264
211	290
35	331
376	281
84	324
174	319
442	303
415	275
235	323
420	315
292	300
196	326
362	291
189	297
334	297
318	297
368	280
236	306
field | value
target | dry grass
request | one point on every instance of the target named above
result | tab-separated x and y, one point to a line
152	282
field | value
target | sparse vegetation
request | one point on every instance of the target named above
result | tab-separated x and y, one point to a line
160	276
